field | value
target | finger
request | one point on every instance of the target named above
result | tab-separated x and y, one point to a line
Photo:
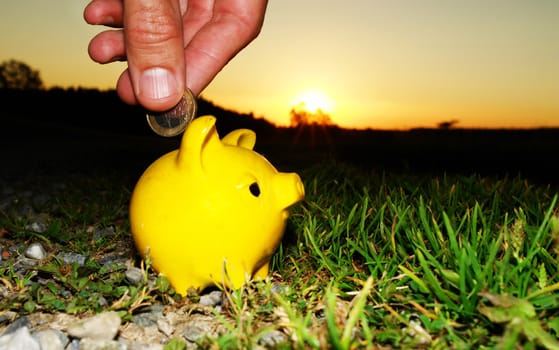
107	47
124	89
197	15
154	42
233	26
104	12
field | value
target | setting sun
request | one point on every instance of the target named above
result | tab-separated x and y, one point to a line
363	66
312	101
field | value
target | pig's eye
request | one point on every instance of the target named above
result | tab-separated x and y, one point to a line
254	189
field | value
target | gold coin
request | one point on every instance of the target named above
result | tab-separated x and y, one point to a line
175	120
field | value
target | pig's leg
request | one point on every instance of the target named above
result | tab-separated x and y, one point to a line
262	272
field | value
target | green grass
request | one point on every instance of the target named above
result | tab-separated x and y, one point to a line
435	248
369	259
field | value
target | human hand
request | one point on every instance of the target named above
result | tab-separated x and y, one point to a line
170	44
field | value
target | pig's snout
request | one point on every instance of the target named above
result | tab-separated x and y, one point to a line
289	189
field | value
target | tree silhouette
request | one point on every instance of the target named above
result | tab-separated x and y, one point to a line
300	116
19	75
447	124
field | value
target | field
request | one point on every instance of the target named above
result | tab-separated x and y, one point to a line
439	239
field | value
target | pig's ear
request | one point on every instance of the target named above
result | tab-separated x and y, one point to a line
241	137
200	134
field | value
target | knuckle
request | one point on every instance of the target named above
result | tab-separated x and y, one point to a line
152	29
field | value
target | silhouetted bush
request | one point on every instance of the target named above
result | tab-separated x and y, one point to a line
15	74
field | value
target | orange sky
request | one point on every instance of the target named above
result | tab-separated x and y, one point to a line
381	63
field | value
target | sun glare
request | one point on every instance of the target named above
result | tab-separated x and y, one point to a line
312	101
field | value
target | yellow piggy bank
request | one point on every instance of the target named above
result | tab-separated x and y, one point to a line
212	212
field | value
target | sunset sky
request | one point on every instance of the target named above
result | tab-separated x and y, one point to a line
386	64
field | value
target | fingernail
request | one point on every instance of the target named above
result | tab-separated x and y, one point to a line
157	83
108	20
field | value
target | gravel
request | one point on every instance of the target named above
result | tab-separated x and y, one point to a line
150	328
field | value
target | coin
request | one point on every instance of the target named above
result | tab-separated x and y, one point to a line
175	120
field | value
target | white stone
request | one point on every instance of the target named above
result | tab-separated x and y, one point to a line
36	251
18	340
211	299
50	339
103	326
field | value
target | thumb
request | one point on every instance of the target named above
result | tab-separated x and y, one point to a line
155	52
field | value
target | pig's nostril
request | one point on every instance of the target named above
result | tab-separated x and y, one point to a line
254	189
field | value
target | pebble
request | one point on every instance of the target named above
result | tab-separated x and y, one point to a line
101	344
211	299
99	233
36	251
106	331
135	276
50	339
150	328
272	339
37	227
164	327
18	340
103	326
70	258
